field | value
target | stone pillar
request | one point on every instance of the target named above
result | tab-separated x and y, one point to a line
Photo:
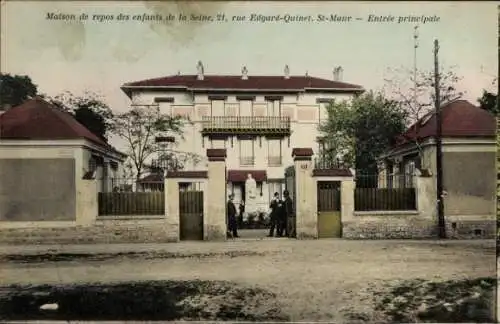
172	210
306	219
426	196
347	187
86	201
215	198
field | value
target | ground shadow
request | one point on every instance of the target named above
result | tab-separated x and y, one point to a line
63	257
156	300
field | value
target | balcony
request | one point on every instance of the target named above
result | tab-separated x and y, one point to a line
274	161
246	125
247	161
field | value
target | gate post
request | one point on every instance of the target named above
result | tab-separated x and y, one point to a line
305	194
215	219
172	211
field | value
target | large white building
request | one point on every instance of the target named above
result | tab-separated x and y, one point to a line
257	119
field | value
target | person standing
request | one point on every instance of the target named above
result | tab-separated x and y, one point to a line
275	207
242	212
231	217
289	214
281	219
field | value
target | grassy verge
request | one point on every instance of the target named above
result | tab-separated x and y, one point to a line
156	300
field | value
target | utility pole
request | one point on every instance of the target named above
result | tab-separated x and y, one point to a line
415	46
439	155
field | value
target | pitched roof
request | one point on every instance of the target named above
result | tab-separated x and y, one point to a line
460	118
235	82
37	119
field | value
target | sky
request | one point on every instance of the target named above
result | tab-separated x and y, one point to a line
100	56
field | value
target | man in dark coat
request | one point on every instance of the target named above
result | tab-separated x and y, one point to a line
242	212
289	215
275	209
281	215
231	217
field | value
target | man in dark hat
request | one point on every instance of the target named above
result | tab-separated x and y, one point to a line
275	210
231	217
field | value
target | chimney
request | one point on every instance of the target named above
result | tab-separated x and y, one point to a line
287	72
338	73
244	73
201	71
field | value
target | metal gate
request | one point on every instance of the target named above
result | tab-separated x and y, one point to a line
225	197
191	215
329	216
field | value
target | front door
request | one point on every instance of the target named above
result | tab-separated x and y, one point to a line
329	216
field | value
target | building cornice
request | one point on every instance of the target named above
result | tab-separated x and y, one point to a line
127	89
72	143
411	148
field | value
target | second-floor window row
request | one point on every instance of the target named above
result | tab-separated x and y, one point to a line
251	160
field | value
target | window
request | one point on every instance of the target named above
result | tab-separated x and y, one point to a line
409	171
217	107
92	164
323	112
274	108
246	108
165	104
323	147
401	175
390	176
274	152
247	151
323	104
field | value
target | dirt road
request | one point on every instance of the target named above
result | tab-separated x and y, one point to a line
321	280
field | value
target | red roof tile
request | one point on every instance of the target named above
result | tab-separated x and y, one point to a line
37	119
235	82
242	175
460	118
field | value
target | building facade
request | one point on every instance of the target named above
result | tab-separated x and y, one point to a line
50	166
469	161
257	119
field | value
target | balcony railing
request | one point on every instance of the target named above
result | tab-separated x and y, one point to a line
246	124
247	160
274	161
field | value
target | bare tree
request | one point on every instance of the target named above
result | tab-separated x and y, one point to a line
139	127
415	92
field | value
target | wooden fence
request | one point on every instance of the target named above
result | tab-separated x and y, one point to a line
131	203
